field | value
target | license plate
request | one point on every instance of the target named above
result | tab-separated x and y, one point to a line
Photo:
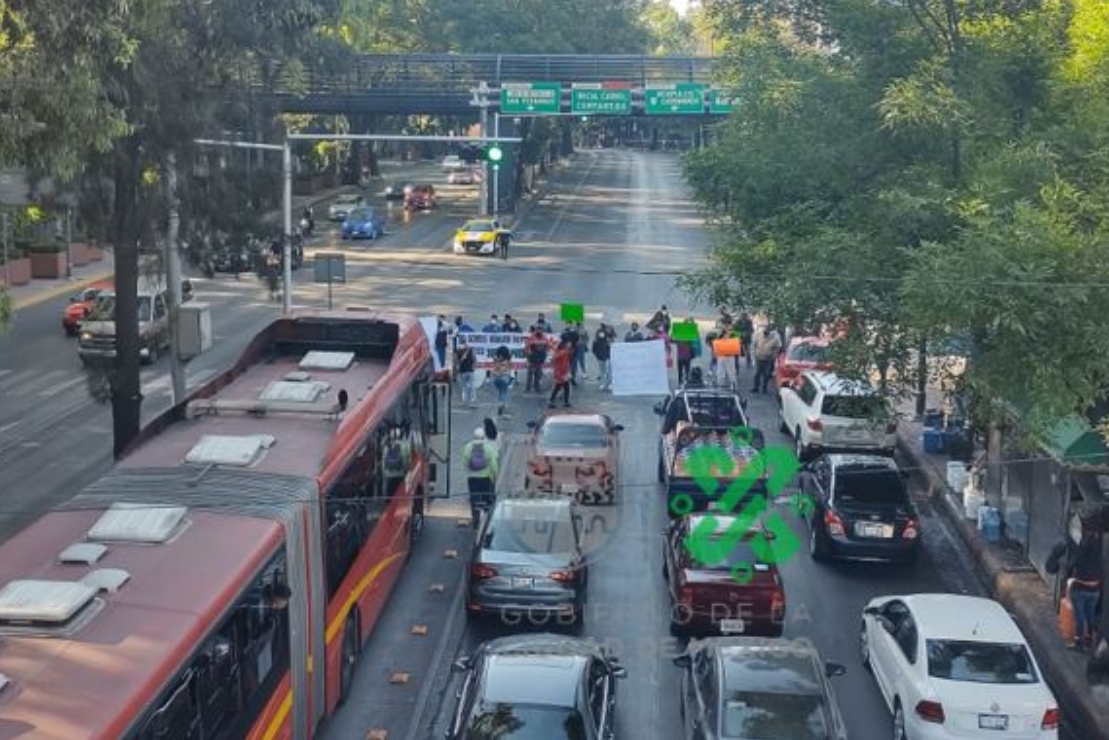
993	722
876	531
732	626
522	582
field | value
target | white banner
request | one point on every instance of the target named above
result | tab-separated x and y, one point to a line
639	369
485	344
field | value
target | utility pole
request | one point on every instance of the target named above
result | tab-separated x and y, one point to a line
287	247
481	97
496	173
173	277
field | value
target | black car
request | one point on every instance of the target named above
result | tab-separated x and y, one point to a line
537	687
397	190
527	565
861	509
747	688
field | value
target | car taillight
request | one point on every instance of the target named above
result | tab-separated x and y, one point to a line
777	606
930	711
564	576
1050	720
480	570
910	532
815	425
685	594
833	523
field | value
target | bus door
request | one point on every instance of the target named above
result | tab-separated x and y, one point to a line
437	412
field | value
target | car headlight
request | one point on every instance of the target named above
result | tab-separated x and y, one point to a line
85	336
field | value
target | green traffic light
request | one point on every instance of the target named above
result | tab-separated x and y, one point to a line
494	153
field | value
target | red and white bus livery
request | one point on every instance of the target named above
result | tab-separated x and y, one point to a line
220	581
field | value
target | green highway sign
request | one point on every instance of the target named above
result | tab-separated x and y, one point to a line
595	98
683	97
531	97
721	101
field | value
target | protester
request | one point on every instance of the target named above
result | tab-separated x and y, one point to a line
461	327
536	353
479	457
511	325
442	339
572	338
502	377
767	345
542	325
684	352
1082	566
745	330
581	349
464	360
493	326
634	334
563	359
602	350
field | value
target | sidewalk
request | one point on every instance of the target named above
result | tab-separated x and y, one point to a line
1017	586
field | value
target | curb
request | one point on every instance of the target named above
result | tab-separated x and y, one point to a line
1021	593
67	286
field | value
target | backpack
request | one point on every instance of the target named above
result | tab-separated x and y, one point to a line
477	458
393	458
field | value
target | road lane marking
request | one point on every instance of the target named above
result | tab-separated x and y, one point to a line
60	387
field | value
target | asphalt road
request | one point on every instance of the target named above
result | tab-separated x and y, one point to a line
612	231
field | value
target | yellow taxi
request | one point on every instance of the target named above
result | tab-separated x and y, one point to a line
480	236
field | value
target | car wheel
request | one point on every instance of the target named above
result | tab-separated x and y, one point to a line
817	547
349	657
899	722
864	646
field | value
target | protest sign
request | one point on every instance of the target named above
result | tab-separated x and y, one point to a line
571	312
639	369
485	344
684	331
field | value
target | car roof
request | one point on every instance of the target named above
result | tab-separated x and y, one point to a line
547	679
958	617
841	460
816	341
348	198
573	418
832	383
768	665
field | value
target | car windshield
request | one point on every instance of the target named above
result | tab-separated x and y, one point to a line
980	662
870	485
106	308
361	214
477	226
855	407
808	352
740	556
533	536
508	722
573	435
347	200
715	411
772	716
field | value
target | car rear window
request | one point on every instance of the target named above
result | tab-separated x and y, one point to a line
980	662
808	353
508	722
774	716
362	213
870	485
530	536
855	407
477	226
573	435
739	556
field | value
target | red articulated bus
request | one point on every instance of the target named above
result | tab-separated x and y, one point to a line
220	581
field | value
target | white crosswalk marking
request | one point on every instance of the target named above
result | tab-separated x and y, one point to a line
60	387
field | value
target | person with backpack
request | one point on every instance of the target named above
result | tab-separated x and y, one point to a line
465	361
602	350
536	352
479	458
563	359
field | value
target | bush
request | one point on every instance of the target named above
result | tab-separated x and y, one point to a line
47	248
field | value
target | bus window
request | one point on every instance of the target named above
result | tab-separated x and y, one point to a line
177	717
349	519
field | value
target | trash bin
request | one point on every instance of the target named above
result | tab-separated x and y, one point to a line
935	441
933	419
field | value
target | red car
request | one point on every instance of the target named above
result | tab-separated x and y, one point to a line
801	354
81	304
735	594
420	198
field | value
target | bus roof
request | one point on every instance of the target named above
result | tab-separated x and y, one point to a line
92	680
278	409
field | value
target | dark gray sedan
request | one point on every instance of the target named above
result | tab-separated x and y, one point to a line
751	688
527	565
537	687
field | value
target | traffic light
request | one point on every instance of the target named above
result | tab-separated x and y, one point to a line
493	154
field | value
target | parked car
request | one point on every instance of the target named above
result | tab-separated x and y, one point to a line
545	687
574	454
953	666
81	304
96	343
453	162
861	509
341	207
467	176
397	190
739	594
420	198
479	236
825	412
800	354
363	223
527	562
750	688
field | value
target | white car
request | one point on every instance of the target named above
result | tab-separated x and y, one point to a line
952	666
467	176
822	411
341	207
453	162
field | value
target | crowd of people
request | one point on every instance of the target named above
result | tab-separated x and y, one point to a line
567	354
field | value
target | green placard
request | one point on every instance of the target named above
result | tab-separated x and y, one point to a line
683	97
722	101
531	97
684	331
595	100
571	312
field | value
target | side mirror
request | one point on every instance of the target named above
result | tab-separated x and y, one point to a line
683	661
461	665
619	671
834	669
